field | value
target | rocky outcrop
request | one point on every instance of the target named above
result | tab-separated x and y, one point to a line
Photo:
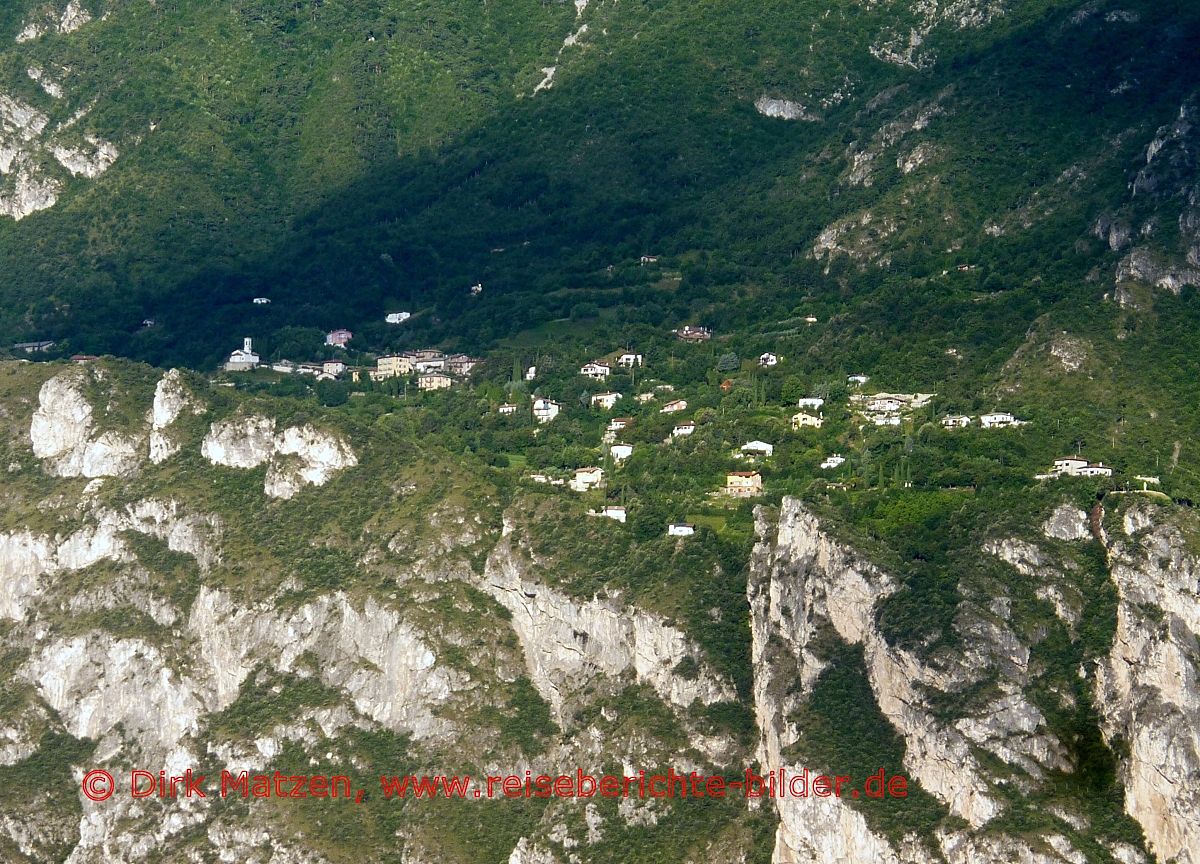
783	109
807	578
240	442
296	457
1151	268
569	643
315	458
527	852
908	47
806	586
62	434
1167	177
27	144
91	158
171	397
863	157
49	19
379	660
1148	690
1067	523
30	145
27	559
1050	571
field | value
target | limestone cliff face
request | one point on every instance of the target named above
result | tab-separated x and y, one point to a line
568	642
171	398
1148	688
29	561
298	456
1162	253
805	586
62	433
803	580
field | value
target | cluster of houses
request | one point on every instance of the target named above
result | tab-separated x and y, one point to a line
434	370
887	409
995	420
601	369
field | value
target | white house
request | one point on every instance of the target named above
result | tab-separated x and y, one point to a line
673	407
643	398
810	319
1075	466
886	419
397	317
621	452
333	367
683	429
605	400
649	259
530	373
262	301
597	369
613	511
858	379
810	402
801	420
242	360
1069	465
956	421
833	461
768	359
545	410
507	408
999	420
884	404
757	448
285	366
430	364
616	424
476	289
680	529
629	360
587	478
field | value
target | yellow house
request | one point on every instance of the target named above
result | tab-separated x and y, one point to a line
393	366
743	484
800	420
434	381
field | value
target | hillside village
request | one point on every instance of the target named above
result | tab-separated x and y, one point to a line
617	413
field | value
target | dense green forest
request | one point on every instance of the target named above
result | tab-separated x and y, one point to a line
352	158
